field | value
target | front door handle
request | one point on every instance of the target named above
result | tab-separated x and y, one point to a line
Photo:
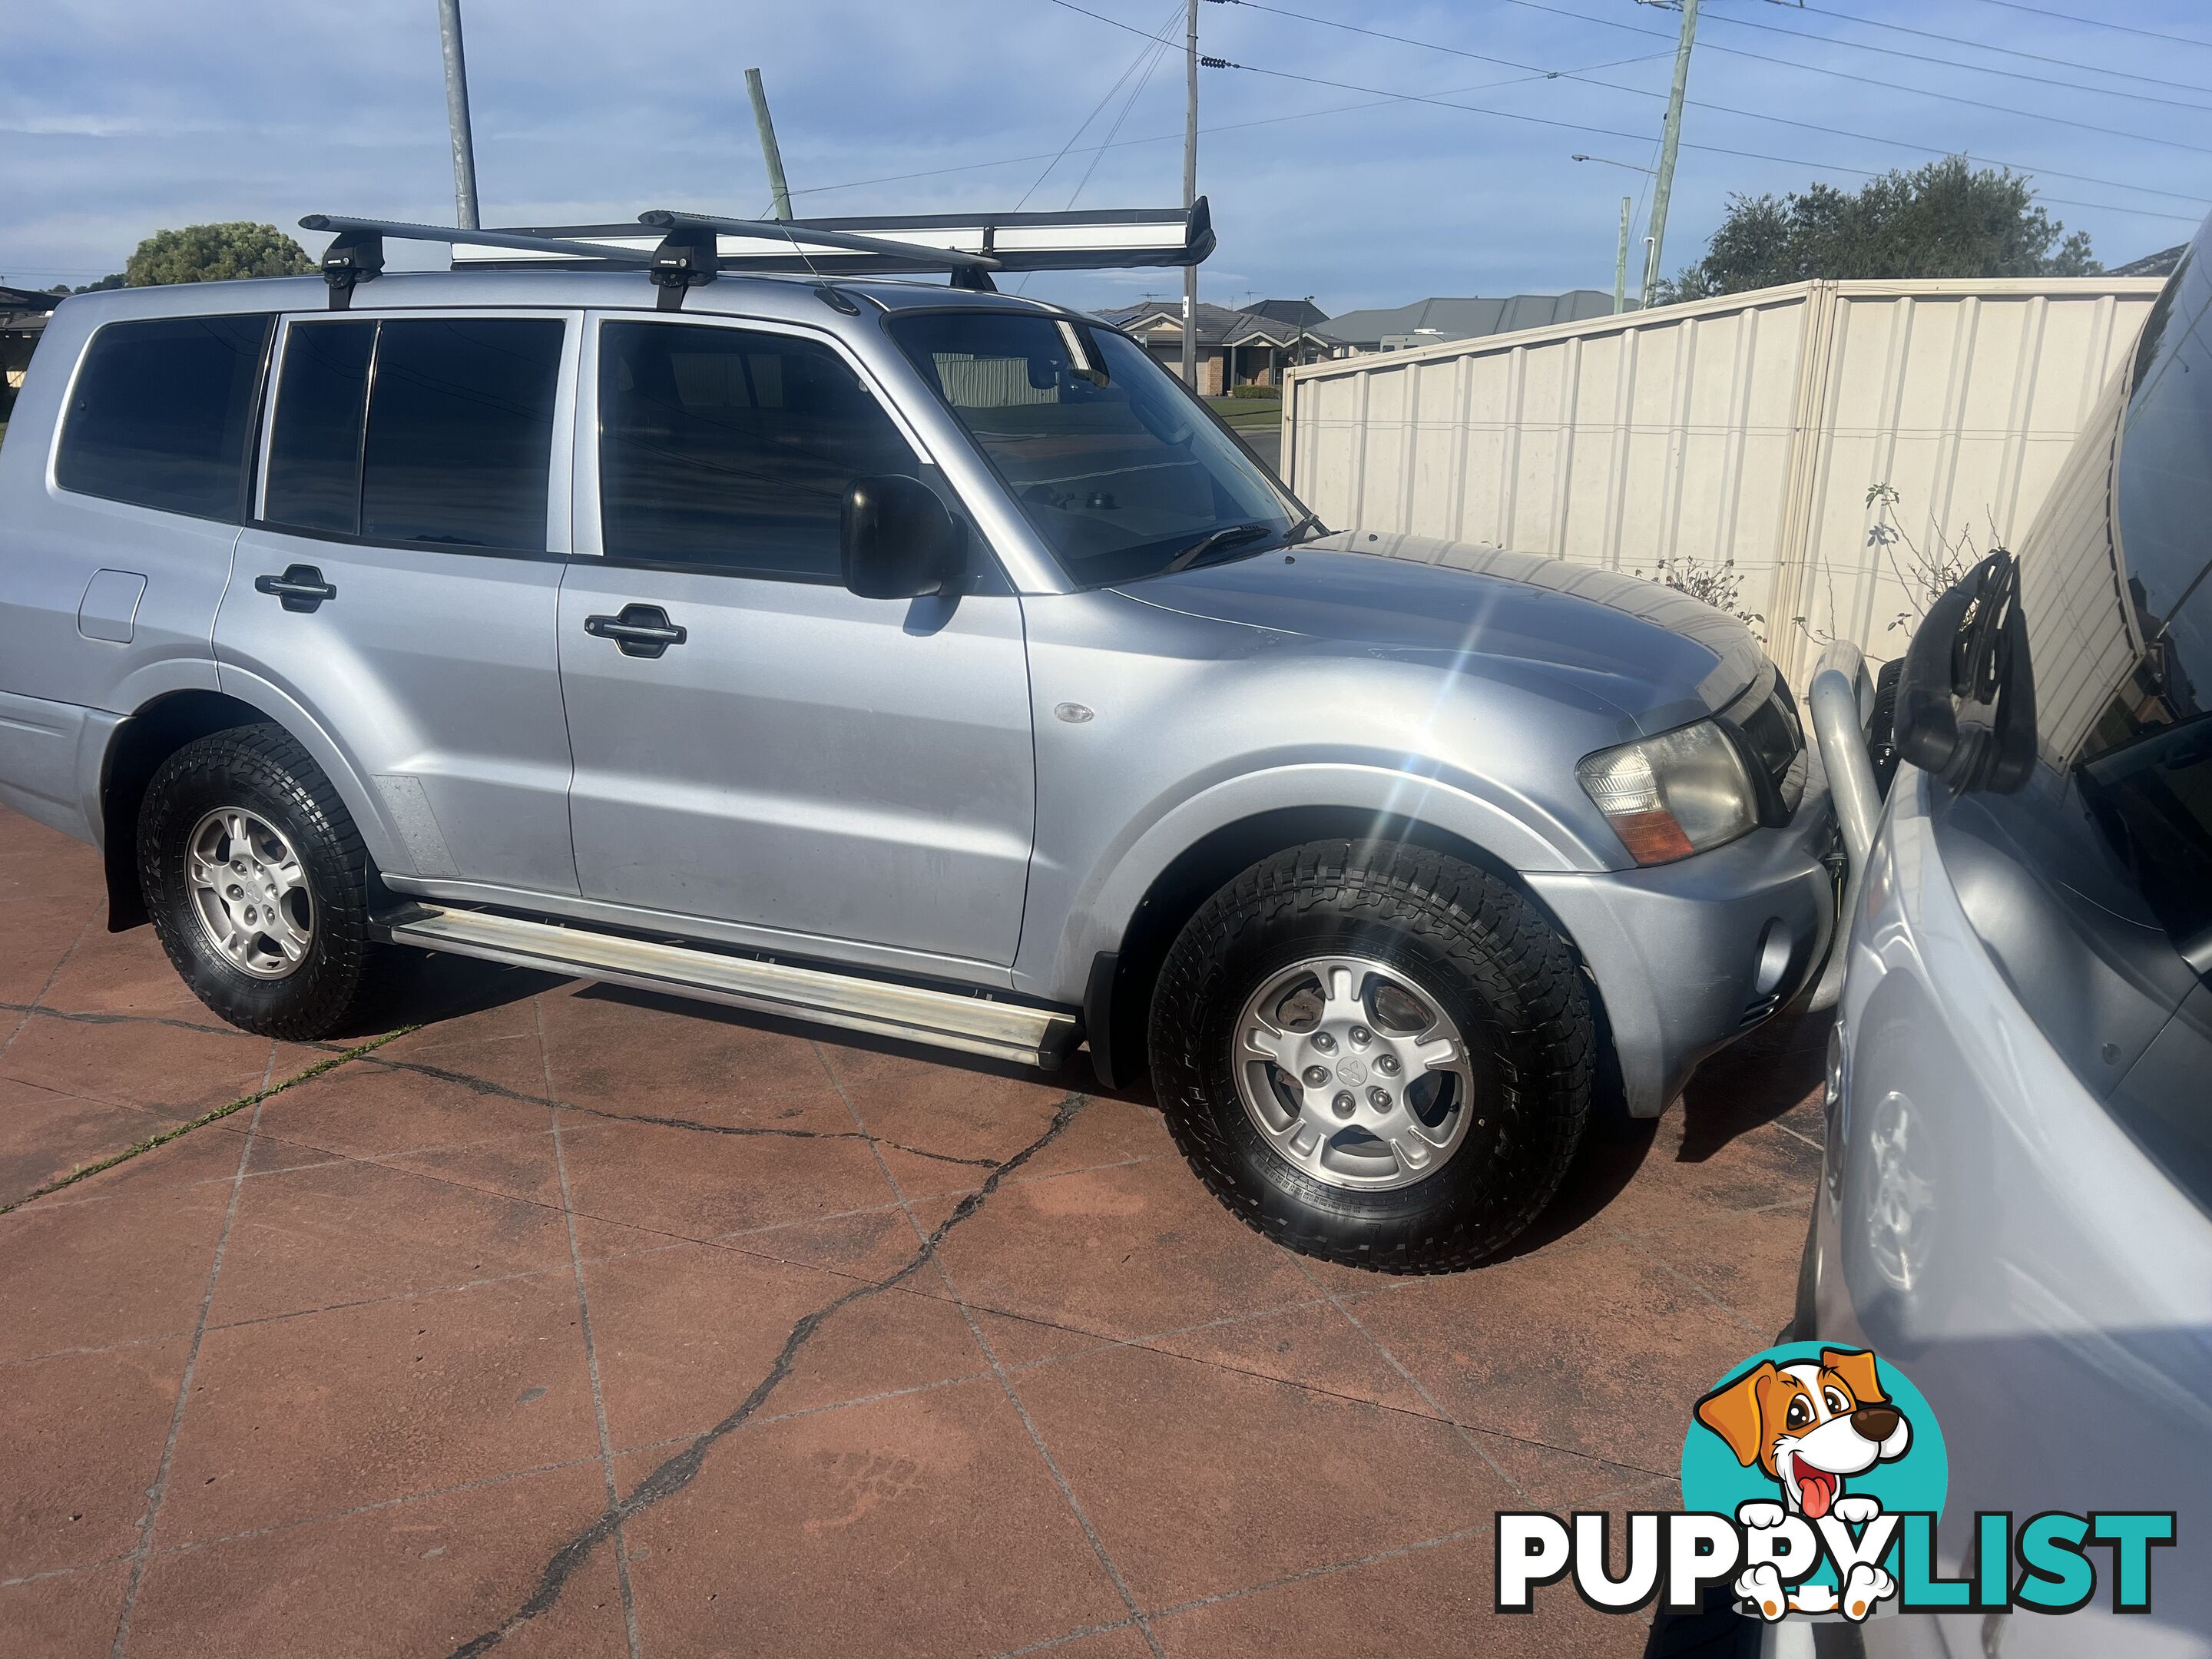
301	587
641	630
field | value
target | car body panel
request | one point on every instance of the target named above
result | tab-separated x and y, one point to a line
1987	1225
808	762
434	675
55	546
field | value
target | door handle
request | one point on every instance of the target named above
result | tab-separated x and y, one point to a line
301	587
641	630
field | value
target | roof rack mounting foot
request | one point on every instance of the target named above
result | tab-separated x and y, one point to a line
689	255
355	257
975	282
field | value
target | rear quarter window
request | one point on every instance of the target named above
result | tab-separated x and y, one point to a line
162	413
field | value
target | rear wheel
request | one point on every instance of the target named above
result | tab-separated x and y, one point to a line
1374	1054
257	882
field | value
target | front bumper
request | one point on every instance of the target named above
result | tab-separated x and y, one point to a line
1688	957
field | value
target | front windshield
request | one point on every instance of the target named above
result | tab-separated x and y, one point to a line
1120	471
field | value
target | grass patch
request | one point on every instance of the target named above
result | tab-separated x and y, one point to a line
84	1170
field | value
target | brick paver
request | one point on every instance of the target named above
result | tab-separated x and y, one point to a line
577	1322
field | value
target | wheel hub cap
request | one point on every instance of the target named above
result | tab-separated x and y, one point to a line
1353	1072
250	893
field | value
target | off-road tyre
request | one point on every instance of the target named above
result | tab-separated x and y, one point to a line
262	769
1469	940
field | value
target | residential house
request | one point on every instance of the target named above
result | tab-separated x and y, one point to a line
1433	322
1235	348
23	313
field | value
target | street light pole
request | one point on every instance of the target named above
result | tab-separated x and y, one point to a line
1669	141
1190	192
457	116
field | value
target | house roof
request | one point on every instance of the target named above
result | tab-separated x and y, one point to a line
2160	263
1293	312
1468	319
1217	325
27	299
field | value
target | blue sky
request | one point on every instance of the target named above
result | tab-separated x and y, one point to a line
118	116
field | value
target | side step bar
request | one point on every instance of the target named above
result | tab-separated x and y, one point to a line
948	1019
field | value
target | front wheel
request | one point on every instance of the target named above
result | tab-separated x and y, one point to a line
1374	1054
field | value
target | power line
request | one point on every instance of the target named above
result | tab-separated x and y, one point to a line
2001	109
1957	40
1156	40
1886	51
2099	23
1710	150
1151	64
1610	132
1164	137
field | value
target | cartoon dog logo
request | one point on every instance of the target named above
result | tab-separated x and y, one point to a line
1810	1427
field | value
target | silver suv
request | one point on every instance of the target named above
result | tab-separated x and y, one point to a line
920	661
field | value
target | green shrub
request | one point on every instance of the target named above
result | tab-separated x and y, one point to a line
1255	392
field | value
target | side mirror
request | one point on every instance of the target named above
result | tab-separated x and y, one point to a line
1965	697
899	540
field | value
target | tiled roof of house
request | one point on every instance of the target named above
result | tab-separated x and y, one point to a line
1217	325
1468	319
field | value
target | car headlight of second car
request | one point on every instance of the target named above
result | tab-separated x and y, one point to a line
1669	796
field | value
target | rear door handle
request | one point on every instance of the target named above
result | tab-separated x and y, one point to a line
301	587
641	630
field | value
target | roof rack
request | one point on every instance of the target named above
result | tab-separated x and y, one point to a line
692	248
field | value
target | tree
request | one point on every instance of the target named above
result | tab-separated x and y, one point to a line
214	254
1946	219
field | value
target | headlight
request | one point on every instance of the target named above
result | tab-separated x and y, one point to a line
1674	794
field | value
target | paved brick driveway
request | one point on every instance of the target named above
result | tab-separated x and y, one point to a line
576	1322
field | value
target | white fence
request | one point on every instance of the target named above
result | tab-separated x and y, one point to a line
1749	428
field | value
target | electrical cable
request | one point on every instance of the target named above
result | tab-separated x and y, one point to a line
2099	23
1694	103
1157	38
1949	39
1920	58
1722	149
1176	138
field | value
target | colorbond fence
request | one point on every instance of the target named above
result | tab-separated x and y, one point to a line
1749	428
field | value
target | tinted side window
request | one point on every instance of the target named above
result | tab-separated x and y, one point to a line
163	414
459	444
725	447
314	439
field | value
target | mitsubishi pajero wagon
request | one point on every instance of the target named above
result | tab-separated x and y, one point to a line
919	659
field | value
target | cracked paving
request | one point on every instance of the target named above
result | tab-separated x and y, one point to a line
542	1317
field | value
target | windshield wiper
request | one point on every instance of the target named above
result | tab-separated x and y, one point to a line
1291	537
1231	535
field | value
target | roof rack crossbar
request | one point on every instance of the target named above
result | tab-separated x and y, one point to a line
356	255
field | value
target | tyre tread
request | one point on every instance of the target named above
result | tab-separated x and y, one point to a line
1477	920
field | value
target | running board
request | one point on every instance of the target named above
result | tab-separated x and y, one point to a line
946	1019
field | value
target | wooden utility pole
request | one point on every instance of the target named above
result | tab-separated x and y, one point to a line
1190	193
457	117
769	153
1670	139
1620	261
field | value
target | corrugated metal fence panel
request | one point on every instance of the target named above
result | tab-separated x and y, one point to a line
1966	404
973	382
1746	429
